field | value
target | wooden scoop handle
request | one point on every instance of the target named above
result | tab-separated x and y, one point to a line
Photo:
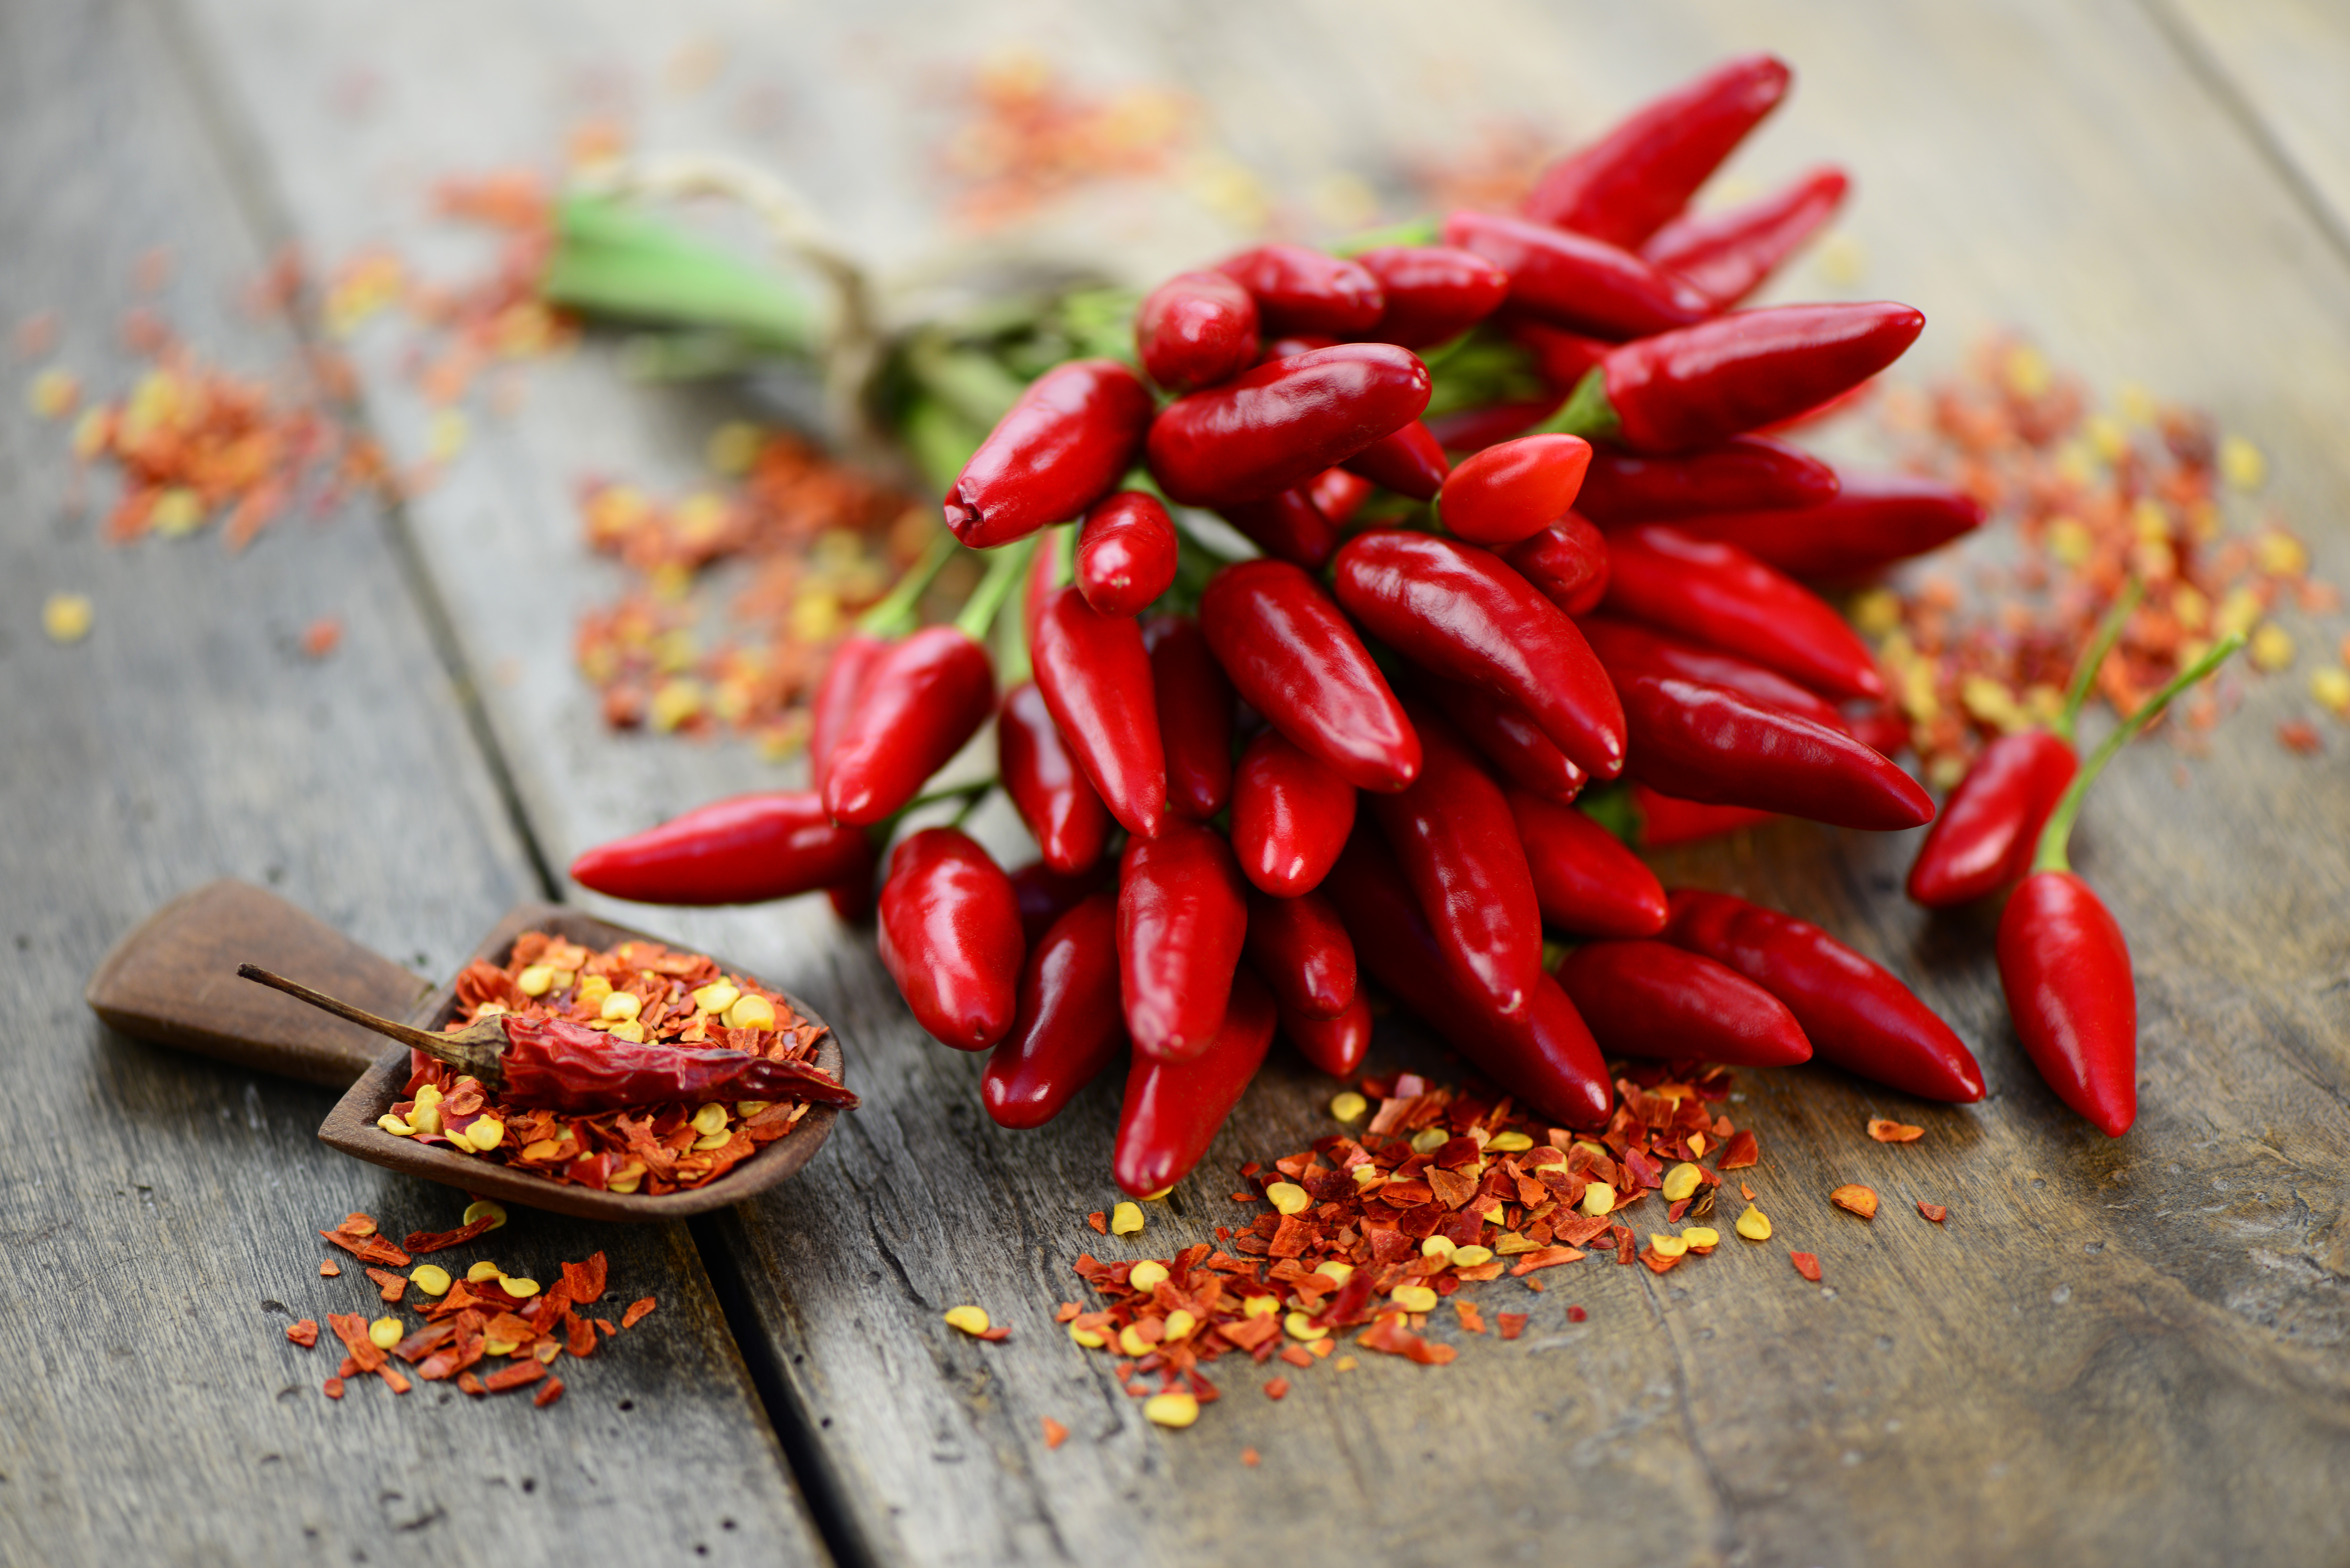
173	980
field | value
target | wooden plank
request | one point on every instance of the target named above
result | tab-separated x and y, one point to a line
2115	1351
157	1209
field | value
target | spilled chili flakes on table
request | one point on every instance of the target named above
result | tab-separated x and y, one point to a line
1884	1131
1032	139
1806	1264
1933	1211
1056	1434
304	1333
636	1310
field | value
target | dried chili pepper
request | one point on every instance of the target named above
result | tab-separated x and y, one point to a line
1061	448
1627	648
1172	1109
1125	552
1744	474
1194	705
1069	1027
1728	254
1575	281
1408	460
1299	947
951	939
1181	919
1194	330
1710	744
1290	526
1282	424
1875	521
1513	490
1652	999
1097	679
1585	881
1434	293
1718	595
773	844
1291	817
1567	561
1298	290
1045	784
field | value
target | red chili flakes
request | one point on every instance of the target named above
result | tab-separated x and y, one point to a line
393	1378
549	1394
329	1268
1933	1211
585	1282
1576	1314
393	1286
1739	1152
470	1385
304	1333
1033	140
1472	1320
1884	1131
1854	1198
1056	1434
333	1387
636	1313
513	1375
1511	1323
322	636
357	1225
369	1248
1066	1311
1276	1388
2300	735
436	1241
1250	1457
1099	1221
1806	1264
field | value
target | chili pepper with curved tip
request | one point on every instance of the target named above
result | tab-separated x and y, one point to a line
1194	330
1172	1110
775	844
2062	960
1068	1029
1626	649
1044	895
1877	520
1567	561
1096	678
1338	495
1575	280
1513	490
1290	526
1666	820
1407	460
1710	743
1291	817
1743	473
1181	921
1307	291
1299	947
1283	422
1195	716
950	937
1586	881
1048	787
851	665
1125	552
1336	1046
1061	448
1718	595
1463	612
1652	998
1434	293
1625	186
1854	1011
1728	254
1505	737
1292	657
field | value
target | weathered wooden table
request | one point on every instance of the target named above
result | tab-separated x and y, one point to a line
2113	1352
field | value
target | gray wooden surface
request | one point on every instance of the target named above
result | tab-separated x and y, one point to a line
2113	1352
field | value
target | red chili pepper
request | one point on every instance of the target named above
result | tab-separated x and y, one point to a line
773	844
1708	743
1575	280
1096	678
1567	561
1729	253
1626	649
1853	1011
1883	728
1294	343
1743	473
1666	820
1181	919
1194	330
1718	595
1407	460
1291	817
1302	290
1283	422
1289	527
1877	520
1338	495
1299	947
1333	1045
1062	448
1125	552
1172	1109
1046	895
1069	1027
951	937
1195	716
1293	659
553	1064
922	701
1046	785
1650	998
1434	293
836	698
1629	183
1461	612
1454	838
1514	490
1586	881
1505	737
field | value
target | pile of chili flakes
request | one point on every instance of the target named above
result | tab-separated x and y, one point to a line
652	1149
1033	140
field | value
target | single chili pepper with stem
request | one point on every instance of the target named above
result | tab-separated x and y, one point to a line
1194	330
1854	1011
1125	552
1045	784
1067	1028
1652	998
1060	449
1626	649
1873	521
1585	881
1299	947
1728	254
838	694
1513	490
1195	716
1298	290
775	844
1181	921
1172	1110
1282	424
1044	895
1291	817
1434	293
1096	678
1744	474
2062	960
1575	280
1291	526
950	935
1505	737
1704	743
1567	561
1334	1045
1718	595
1408	460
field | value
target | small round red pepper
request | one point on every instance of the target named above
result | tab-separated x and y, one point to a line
1407	460
1718	595
1744	474
1729	253
1586	881
1299	290
1434	293
1708	743
1575	280
950	935
1291	817
1567	561
775	844
1194	330
1291	526
1063	446
1096	678
1048	787
1334	1045
1513	490
1626	649
1652	999
1181	921
1068	1028
1299	947
1283	422
1172	1109
1875	520
1195	716
1125	552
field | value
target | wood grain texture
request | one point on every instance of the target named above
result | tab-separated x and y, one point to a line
2113	1352
158	1211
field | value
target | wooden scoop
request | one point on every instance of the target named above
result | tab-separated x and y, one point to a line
173	980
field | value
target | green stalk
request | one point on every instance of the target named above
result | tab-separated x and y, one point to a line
613	261
2093	659
1587	411
893	616
1003	576
1410	232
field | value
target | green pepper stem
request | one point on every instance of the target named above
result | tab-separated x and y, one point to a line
1587	411
1410	232
2093	658
1003	576
893	616
2053	839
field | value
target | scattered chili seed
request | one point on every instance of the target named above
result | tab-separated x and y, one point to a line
1933	1211
1347	1106
1171	1409
972	1320
304	1333
1754	1225
1806	1264
1854	1198
67	618
1126	1219
1893	1132
387	1332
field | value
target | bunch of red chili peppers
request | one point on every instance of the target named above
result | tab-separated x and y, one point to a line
1450	647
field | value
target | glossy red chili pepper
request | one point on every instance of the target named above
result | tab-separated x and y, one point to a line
1453	835
922	699
836	698
1679	391
1338	495
1666	820
1048	787
1625	186
1062	448
1334	1045
1561	358
1288	527
1626	649
1853	1011
1291	817
1293	659
1283	422
1461	612
1407	460
1283	347
1586	881
1172	1109
1302	290
1511	743
1195	716
1743	473
1567	561
1181	919
1068	1029
1718	595
1046	895
1575	280
1877	520
1514	490
1194	330
1729	253
1299	947
1434	293
1652	999
1882	727
1096	678
775	844
1125	552
951	937
1701	742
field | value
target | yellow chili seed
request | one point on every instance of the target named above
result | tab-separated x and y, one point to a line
1666	1246
1681	1181
430	1278
1288	1197
1598	1198
1472	1257
1132	1344
1297	1325
426	1116
545	1149
1344	1364
1337	1270
536	980
1087	1337
751	1012
746	1109
394	1126
1260	1306
629	1029
1698	1144
1754	1225
1347	1104
1510	1142
67	618
492	1345
481	1207
1367	1175
620	1006
627	1182
1413	1298
486	1133
1702	1236
1491	1216
1427	1140
710	1118
485	1269
714	1141
515	1287
387	1332
488	1010
594	989
1155	1197
1171	1409
1125	1219
1441	1248
716	997
972	1320
1179	1323
1146	1274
